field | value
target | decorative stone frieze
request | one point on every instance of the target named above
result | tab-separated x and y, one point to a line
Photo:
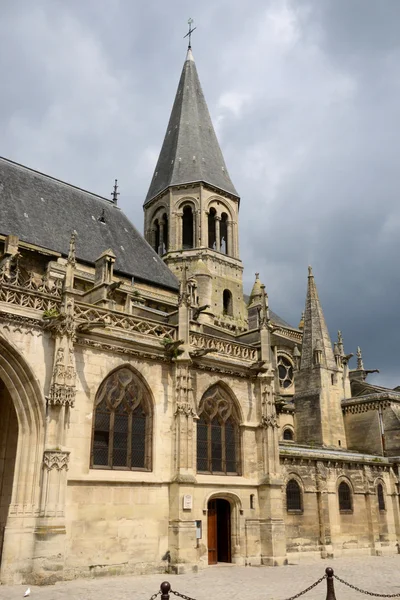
55	459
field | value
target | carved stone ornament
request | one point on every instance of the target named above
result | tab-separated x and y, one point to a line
55	459
269	421
184	408
62	395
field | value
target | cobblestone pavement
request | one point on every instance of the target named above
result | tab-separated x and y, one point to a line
227	582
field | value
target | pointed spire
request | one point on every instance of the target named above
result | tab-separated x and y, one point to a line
190	152
256	292
360	363
317	345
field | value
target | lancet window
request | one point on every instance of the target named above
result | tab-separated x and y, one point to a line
156	235
212	240
381	497
165	233
227	303
122	423
345	501
218	440
293	496
224	234
187	228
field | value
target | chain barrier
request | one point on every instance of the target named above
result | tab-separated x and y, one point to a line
353	587
154	596
181	595
307	589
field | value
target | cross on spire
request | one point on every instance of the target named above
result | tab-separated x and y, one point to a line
115	193
189	33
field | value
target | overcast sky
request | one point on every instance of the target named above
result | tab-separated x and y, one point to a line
305	98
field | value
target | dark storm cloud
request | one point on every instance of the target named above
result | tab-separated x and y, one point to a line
305	99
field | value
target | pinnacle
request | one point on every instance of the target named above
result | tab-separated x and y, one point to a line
315	332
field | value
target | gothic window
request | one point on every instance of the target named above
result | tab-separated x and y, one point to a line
217	433
344	492
187	228
285	372
288	435
293	496
122	423
156	234
227	303
381	497
211	229
224	234
165	233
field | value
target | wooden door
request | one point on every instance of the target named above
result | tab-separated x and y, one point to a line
212	532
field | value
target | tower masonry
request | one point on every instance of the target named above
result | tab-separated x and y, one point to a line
191	208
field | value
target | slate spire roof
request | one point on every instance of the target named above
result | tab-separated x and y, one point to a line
315	332
190	151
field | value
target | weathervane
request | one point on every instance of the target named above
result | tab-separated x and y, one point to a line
189	33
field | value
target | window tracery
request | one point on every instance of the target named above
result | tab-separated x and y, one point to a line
122	423
285	371
217	433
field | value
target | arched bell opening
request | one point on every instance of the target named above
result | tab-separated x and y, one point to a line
224	248
187	228
212	229
165	236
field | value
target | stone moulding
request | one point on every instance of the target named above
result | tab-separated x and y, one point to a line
231	349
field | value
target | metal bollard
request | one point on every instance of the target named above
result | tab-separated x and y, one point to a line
330	588
165	588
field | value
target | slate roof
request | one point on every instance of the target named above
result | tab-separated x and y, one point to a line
190	151
44	211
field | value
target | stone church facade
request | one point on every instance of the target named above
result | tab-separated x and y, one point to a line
154	418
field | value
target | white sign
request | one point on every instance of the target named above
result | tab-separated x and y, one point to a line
187	502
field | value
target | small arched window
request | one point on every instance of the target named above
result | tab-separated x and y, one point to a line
122	423
344	492
381	497
224	234
293	496
217	433
156	236
165	234
288	434
227	303
187	228
212	229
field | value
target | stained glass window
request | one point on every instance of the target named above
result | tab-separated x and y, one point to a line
217	433
122	423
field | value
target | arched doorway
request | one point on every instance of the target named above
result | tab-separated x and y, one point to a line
8	452
219	531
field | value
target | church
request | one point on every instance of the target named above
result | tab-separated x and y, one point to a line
153	417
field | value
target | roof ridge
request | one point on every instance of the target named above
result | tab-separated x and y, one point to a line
70	185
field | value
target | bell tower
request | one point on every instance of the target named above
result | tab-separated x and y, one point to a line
191	209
